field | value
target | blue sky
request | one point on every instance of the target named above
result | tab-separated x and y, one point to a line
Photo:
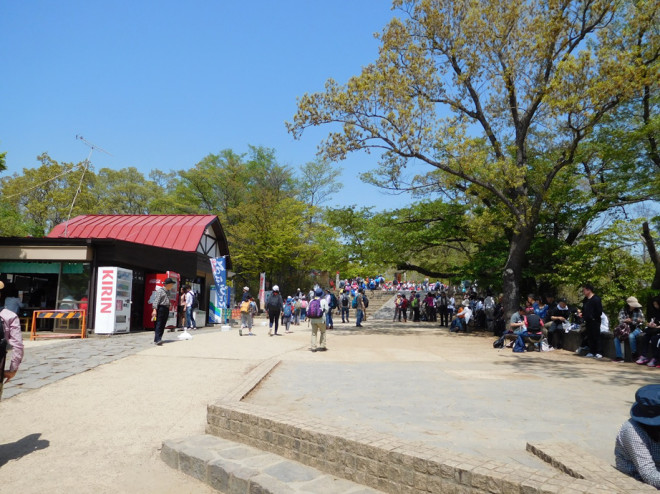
162	84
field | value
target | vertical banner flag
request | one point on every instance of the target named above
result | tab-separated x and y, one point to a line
262	289
220	277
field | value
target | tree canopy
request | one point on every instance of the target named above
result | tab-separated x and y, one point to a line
500	100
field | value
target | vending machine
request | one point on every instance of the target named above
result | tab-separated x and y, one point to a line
151	283
113	300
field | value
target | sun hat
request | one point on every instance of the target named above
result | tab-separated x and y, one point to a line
318	292
632	302
646	409
2	285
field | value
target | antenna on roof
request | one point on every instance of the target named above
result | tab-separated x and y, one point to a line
85	166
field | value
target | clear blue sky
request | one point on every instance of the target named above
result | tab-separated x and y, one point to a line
161	84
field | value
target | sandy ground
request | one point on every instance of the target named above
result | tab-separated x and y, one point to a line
101	431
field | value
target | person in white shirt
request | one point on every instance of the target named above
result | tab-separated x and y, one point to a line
190	310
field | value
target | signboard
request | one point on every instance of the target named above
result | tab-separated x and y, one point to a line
113	300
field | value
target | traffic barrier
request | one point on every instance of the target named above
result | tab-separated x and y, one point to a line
62	315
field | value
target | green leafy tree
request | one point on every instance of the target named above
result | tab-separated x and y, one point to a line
124	191
45	195
496	97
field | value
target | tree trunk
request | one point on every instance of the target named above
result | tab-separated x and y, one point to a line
512	274
653	254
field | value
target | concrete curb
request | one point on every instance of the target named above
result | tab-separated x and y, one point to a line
238	469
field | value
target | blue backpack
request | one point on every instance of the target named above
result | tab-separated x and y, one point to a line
287	310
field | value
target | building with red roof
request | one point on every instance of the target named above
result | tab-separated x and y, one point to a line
61	269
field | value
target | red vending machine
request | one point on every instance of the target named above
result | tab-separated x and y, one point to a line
151	284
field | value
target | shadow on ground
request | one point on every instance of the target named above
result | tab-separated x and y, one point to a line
604	372
22	447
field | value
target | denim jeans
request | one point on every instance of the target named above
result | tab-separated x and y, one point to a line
344	314
632	339
457	324
360	316
328	318
190	320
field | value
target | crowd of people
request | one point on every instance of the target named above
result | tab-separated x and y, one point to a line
317	306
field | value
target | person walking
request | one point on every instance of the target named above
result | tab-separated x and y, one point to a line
10	337
316	310
161	309
592	309
190	309
345	302
360	308
274	306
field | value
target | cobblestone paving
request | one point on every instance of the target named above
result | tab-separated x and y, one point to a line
51	362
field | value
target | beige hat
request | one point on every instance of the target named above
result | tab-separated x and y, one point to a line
632	302
2	285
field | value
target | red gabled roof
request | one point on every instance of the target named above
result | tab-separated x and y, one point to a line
170	231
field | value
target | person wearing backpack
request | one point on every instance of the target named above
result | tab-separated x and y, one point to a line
9	337
287	314
360	316
190	308
345	306
297	307
316	310
248	310
331	298
274	306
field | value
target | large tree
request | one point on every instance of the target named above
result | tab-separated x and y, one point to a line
50	193
496	96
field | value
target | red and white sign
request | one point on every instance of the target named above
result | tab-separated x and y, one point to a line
113	300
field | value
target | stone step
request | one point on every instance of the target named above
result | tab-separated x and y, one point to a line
235	468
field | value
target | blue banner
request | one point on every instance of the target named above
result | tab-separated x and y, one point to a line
220	276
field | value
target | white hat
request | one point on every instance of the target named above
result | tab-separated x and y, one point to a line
246	289
632	302
276	288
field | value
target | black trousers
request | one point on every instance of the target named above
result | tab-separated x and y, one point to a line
593	335
444	315
161	320
274	317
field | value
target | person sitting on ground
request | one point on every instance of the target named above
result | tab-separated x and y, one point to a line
631	322
651	330
637	447
559	324
462	319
